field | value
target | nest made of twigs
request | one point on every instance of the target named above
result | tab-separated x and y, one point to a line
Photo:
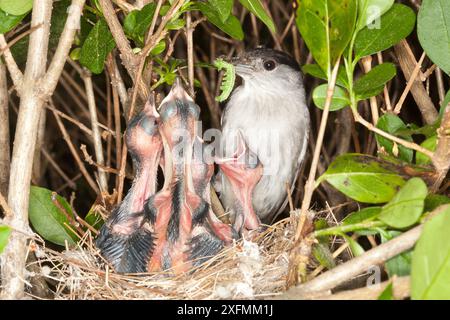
248	269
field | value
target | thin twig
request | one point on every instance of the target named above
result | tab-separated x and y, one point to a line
4	204
126	53
440	85
98	148
411	81
408	63
58	169
309	185
14	71
81	126
69	217
190	51
408	144
441	157
74	152
4	132
18	38
89	160
367	64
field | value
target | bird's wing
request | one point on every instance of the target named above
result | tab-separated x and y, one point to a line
299	166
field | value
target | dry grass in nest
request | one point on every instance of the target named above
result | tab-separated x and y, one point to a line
245	270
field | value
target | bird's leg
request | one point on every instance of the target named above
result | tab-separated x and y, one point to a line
243	179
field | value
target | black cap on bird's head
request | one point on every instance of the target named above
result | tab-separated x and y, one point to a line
264	61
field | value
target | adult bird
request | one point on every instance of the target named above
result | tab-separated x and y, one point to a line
270	112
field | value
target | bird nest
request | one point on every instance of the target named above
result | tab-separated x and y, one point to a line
248	269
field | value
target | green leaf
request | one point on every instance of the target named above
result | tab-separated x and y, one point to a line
429	144
392	124
433	29
322	224
5	232
137	22
58	21
387	293
94	219
430	270
315	71
256	7
407	205
75	54
400	265
159	48
395	25
340	97
323	255
327	27
372	83
222	7
432	201
363	178
370	10
98	44
47	219
231	26
354	246
9	21
85	27
175	24
16	7
363	215
444	104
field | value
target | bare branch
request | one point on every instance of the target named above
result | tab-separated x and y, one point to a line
50	80
14	71
13	264
352	268
408	64
126	53
360	264
367	65
4	132
400	286
309	186
407	144
441	158
190	51
33	93
74	152
411	80
95	130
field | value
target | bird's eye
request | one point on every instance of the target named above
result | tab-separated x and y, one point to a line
269	65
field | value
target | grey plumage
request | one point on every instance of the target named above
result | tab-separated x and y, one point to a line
270	110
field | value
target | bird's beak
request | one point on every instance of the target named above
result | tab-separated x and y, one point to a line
243	65
177	92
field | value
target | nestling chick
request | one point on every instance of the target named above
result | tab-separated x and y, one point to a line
178	213
126	239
